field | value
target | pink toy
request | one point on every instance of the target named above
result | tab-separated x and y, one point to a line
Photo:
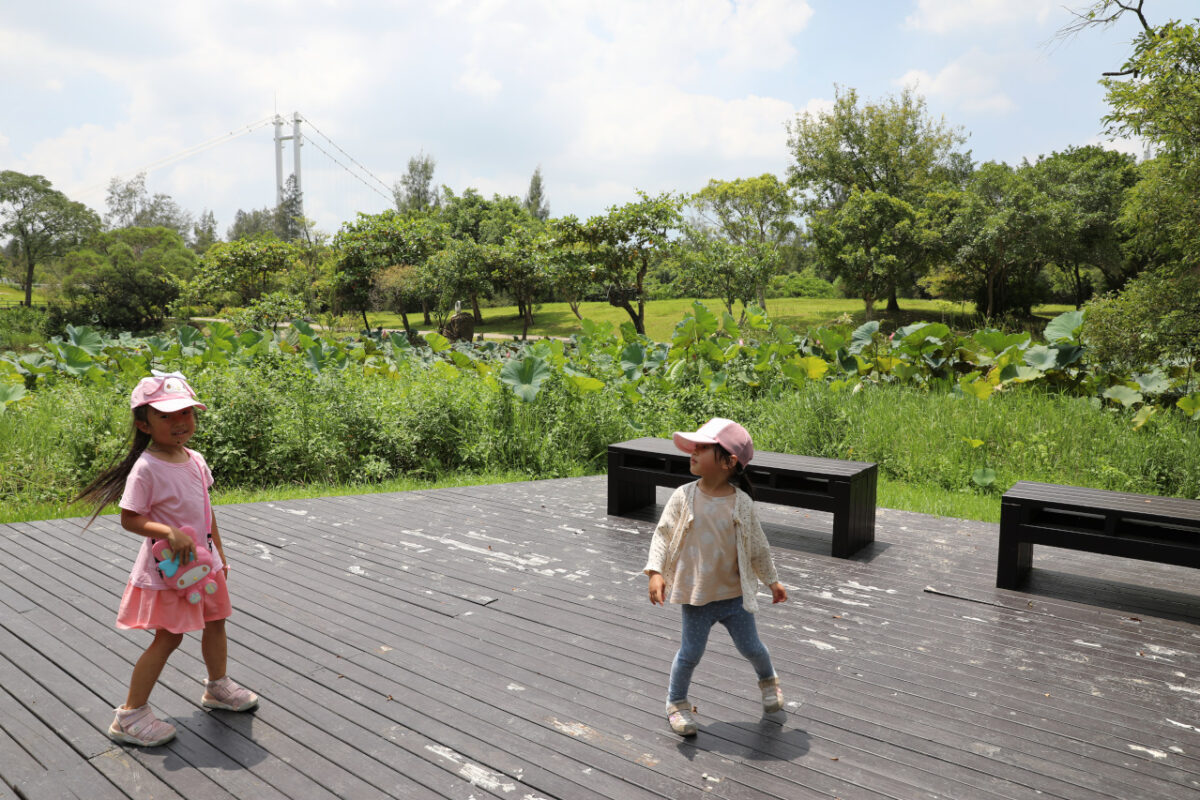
189	579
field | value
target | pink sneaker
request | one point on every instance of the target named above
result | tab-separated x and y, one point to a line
139	726
225	694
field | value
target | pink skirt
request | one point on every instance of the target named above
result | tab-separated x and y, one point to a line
169	609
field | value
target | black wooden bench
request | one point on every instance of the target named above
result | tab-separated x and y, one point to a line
846	488
1163	529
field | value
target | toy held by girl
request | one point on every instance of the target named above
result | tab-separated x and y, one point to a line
707	554
163	491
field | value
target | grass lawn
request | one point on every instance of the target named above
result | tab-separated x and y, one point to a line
12	295
798	313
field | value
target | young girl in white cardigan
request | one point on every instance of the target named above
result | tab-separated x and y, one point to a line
706	553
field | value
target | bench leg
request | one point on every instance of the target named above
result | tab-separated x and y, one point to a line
623	494
1015	557
854	521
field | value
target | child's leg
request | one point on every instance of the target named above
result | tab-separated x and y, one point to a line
149	666
220	691
697	622
744	632
214	647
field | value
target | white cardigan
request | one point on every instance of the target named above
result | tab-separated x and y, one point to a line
754	553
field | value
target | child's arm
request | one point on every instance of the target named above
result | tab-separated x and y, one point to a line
216	537
660	544
761	561
180	543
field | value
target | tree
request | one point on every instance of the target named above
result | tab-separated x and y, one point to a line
866	241
415	192
289	214
41	221
130	205
535	199
621	245
249	224
998	232
373	243
1085	187
565	259
713	266
127	278
756	213
890	147
470	217
204	232
243	270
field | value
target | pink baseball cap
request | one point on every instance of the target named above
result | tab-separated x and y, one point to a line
165	393
725	432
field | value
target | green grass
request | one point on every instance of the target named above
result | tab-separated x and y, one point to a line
798	313
11	295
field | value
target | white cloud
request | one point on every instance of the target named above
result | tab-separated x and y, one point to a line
972	82
1133	146
948	16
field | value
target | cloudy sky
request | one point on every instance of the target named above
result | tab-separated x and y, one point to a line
607	96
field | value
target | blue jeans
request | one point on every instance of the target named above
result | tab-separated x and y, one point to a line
697	622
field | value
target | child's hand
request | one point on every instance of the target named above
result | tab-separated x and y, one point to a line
183	548
658	589
778	593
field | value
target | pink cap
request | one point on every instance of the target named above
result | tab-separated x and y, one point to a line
725	432
164	392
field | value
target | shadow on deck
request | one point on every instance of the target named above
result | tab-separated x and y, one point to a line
495	641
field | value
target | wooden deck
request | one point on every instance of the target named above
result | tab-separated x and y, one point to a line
496	642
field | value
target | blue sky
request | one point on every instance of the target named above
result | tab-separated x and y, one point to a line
607	96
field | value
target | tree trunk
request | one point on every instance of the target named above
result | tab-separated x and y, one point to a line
28	278
574	304
869	303
475	309
893	306
404	317
366	324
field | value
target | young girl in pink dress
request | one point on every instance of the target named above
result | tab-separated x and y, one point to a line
163	490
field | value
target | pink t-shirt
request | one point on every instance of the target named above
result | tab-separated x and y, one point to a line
173	494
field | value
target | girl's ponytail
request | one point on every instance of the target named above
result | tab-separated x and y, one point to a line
108	486
742	480
739	478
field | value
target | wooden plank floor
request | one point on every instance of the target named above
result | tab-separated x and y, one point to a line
495	642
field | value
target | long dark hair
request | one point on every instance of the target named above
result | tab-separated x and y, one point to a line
108	486
739	477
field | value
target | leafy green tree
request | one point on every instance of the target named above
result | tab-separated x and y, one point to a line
566	262
758	214
126	279
399	288
535	199
1154	320
998	232
415	192
204	232
1085	188
470	217
713	266
249	224
240	271
623	243
289	214
375	242
41	221
866	241
889	147
130	205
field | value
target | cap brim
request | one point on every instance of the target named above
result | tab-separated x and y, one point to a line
167	406
687	441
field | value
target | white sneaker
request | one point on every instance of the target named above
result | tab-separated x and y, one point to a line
772	695
139	726
679	715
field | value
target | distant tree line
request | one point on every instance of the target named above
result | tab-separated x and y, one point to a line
880	201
